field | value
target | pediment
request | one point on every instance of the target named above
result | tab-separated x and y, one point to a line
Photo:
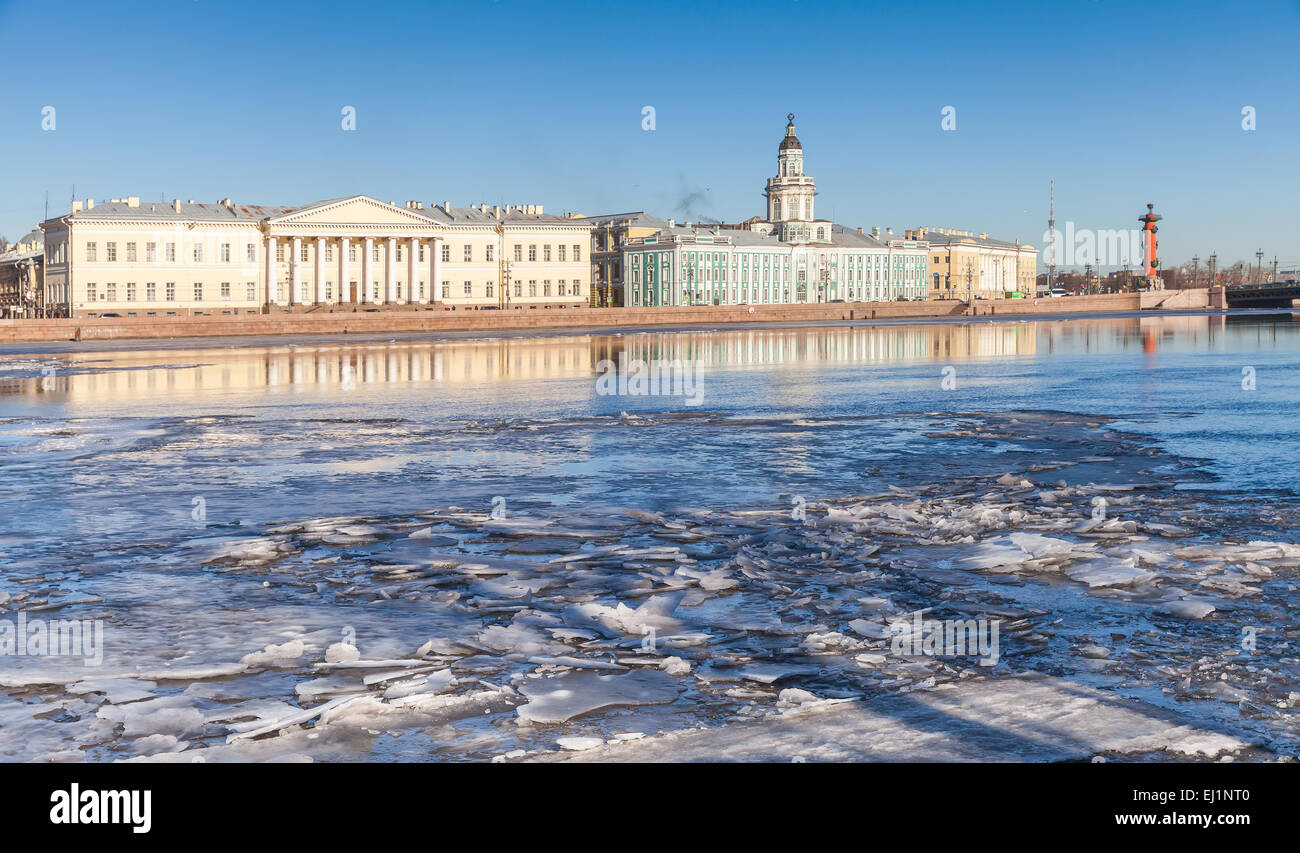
356	210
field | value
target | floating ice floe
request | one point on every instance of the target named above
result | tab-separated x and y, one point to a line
563	697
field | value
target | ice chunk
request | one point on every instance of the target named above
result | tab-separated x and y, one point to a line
563	697
1188	608
1108	571
273	654
579	743
341	652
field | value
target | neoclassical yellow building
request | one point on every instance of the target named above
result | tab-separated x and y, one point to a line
966	266
128	258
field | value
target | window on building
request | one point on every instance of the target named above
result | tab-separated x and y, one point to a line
546	287
304	251
519	289
532	288
446	290
490	289
225	253
150	291
487	252
561	253
110	292
130	253
446	252
92	252
546	253
329	291
329	253
225	290
279	252
469	253
170	291
400	247
198	291
519	252
421	290
111	252
352	253
91	292
250	290
469	289
130	291
374	253
250	253
532	251
198	253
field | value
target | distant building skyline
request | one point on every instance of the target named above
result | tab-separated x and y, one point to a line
548	102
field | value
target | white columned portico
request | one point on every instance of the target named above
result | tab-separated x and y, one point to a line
345	270
390	269
295	272
367	271
320	271
272	285
412	270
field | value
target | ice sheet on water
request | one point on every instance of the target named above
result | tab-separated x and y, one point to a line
563	697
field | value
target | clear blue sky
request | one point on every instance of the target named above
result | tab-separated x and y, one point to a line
532	102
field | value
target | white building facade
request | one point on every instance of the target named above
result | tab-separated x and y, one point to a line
790	258
125	258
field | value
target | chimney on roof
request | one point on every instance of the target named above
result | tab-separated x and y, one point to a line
859	229
176	205
191	201
446	205
496	211
672	223
133	201
984	236
90	204
76	206
875	230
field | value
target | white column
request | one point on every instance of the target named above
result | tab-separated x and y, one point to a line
295	268
367	270
345	272
272	284
390	269
320	270
412	281
435	270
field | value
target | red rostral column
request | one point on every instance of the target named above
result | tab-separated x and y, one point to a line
1152	265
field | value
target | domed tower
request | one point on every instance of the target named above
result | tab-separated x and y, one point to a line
790	193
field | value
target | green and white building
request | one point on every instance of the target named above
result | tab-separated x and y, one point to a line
790	258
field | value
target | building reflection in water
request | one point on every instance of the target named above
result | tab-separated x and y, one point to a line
117	376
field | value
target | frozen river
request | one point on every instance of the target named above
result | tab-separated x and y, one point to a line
462	549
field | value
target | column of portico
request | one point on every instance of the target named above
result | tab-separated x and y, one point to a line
435	270
390	269
272	284
345	272
412	271
295	272
320	271
367	270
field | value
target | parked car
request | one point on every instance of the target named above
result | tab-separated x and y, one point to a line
1058	291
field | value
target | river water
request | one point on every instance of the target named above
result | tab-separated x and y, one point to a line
462	549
